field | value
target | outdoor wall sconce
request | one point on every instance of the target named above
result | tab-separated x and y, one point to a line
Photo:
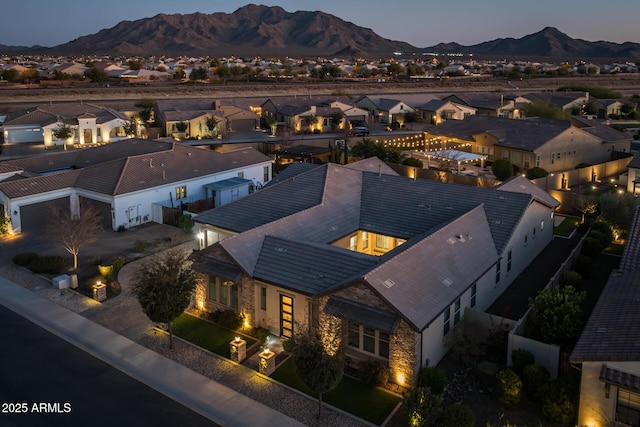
15	212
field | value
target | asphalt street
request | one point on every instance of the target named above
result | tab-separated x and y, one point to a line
62	385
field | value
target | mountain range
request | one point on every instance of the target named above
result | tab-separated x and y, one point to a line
256	30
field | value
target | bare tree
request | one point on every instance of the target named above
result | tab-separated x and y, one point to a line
73	232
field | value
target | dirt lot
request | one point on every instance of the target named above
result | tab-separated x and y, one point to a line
124	96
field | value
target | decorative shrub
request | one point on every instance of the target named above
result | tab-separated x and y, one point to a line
584	266
603	238
139	246
227	318
592	247
459	415
510	386
521	358
105	271
433	378
373	372
53	264
117	263
25	258
421	407
535	377
605	229
571	278
121	228
487	373
536	172
186	222
558	403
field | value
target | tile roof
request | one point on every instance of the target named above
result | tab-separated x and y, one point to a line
127	166
287	229
612	332
67	112
523	134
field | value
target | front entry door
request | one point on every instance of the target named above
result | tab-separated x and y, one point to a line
286	316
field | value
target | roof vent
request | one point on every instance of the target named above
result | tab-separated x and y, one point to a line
188	154
460	237
280	249
447	282
451	240
388	283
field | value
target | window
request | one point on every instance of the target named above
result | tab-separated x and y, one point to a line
542	225
365	240
265	174
223	291
447	320
509	261
368	340
498	273
534	232
181	192
553	158
628	408
526	161
538	161
263	298
526	239
456	312
558	156
314	314
382	242
353	242
474	291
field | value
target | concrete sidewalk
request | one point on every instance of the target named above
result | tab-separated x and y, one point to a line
197	392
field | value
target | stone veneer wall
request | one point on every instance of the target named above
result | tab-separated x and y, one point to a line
404	346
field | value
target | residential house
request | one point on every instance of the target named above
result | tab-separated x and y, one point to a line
302	114
492	104
573	102
194	114
633	175
90	124
129	181
387	263
607	107
384	110
607	353
553	145
437	111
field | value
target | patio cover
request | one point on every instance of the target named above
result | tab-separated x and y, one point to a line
618	378
369	316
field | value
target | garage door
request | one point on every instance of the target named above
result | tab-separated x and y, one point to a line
104	209
25	134
34	218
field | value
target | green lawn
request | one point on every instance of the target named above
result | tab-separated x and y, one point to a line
566	227
351	395
206	334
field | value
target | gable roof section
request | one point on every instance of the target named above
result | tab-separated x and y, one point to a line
332	218
15	188
520	184
308	268
430	274
302	191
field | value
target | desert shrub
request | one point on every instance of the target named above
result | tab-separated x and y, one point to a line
5	223
421	407
459	415
373	372
521	358
536	172
53	264
121	228
604	238
25	258
510	386
592	247
117	263
186	222
288	345
584	266
433	378
571	278
558	403
535	378
139	246
227	318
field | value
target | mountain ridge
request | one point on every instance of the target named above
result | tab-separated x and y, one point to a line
258	30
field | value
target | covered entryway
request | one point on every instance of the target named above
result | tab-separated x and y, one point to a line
35	217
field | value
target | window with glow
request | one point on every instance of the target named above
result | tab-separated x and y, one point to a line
365	240
628	408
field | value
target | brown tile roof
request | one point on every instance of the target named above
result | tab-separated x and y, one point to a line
37	185
67	112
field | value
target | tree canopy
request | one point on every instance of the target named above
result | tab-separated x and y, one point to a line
558	315
502	169
319	366
164	287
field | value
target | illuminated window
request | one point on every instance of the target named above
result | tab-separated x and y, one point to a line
382	242
628	408
353	242
365	240
223	292
181	192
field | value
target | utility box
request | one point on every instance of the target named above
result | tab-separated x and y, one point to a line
74	281
61	282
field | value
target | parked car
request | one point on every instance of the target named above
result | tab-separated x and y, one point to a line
360	131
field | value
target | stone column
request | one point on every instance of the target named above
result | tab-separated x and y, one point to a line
267	362
238	350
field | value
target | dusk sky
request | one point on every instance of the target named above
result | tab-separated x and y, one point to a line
424	23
